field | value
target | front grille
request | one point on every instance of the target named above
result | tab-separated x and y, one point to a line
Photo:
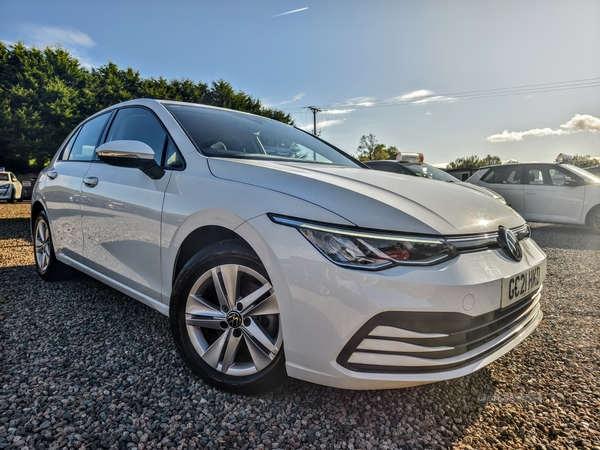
437	339
484	241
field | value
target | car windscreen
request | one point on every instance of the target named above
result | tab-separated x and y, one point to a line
229	134
590	178
427	171
3	177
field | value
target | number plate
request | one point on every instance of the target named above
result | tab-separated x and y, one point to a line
519	286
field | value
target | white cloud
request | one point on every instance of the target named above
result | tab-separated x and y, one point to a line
290	12
579	122
298	97
43	36
509	136
411	95
434	99
427	113
360	101
583	122
74	41
420	97
324	124
340	111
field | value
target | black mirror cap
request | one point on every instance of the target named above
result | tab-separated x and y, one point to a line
148	166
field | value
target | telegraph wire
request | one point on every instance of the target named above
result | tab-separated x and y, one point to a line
469	95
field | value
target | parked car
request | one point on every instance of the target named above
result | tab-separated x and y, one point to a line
10	188
594	170
412	164
308	265
546	192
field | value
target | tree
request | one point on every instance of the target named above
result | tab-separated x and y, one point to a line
473	162
585	161
369	149
44	94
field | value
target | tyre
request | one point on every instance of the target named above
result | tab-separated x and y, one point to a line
225	320
48	267
12	196
593	219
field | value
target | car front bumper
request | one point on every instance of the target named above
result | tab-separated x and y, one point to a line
397	327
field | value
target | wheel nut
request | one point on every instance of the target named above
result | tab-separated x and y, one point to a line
239	306
223	324
225	308
247	321
237	333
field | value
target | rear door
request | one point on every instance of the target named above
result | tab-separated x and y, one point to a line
548	198
62	192
121	219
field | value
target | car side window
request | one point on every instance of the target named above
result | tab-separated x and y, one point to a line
559	177
386	168
87	140
536	177
139	124
13	178
503	175
173	159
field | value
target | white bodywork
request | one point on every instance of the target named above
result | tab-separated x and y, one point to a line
10	187
127	231
566	204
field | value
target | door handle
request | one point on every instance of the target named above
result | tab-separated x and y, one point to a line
52	174
531	193
90	181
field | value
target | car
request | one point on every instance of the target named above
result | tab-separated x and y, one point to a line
412	164
300	262
552	192
11	189
594	170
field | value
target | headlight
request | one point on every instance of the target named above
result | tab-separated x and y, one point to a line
365	250
4	186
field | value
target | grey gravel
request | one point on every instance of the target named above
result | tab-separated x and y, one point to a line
83	366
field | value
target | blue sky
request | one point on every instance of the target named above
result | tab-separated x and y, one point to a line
392	68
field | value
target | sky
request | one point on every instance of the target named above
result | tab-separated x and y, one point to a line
516	79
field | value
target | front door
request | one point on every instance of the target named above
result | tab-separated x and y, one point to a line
121	218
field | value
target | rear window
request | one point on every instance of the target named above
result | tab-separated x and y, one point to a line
229	134
3	177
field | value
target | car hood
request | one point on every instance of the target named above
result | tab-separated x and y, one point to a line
481	189
374	199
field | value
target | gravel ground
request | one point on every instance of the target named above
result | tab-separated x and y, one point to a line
83	366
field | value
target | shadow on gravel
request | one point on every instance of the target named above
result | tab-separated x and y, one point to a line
567	237
14	229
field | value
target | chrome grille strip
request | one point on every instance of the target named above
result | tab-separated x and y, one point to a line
483	241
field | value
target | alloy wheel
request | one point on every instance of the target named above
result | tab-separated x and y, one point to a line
232	319
42	245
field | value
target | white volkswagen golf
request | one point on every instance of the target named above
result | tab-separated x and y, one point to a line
273	253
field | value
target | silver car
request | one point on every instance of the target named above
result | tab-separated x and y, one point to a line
273	253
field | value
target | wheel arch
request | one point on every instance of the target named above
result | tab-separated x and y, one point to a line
199	239
36	208
591	211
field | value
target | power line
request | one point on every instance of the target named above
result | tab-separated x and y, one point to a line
469	95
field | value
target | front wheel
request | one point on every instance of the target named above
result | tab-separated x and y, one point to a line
594	219
225	320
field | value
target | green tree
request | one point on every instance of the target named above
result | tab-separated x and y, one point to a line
585	161
370	150
474	162
44	94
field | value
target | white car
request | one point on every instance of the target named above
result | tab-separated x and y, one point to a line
546	192
296	262
10	188
412	164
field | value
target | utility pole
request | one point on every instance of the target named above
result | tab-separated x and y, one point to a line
315	110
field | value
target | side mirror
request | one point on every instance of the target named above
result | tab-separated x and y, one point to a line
571	183
132	154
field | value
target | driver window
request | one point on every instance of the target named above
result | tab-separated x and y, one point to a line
558	178
139	124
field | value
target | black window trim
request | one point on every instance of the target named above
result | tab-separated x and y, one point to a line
165	144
